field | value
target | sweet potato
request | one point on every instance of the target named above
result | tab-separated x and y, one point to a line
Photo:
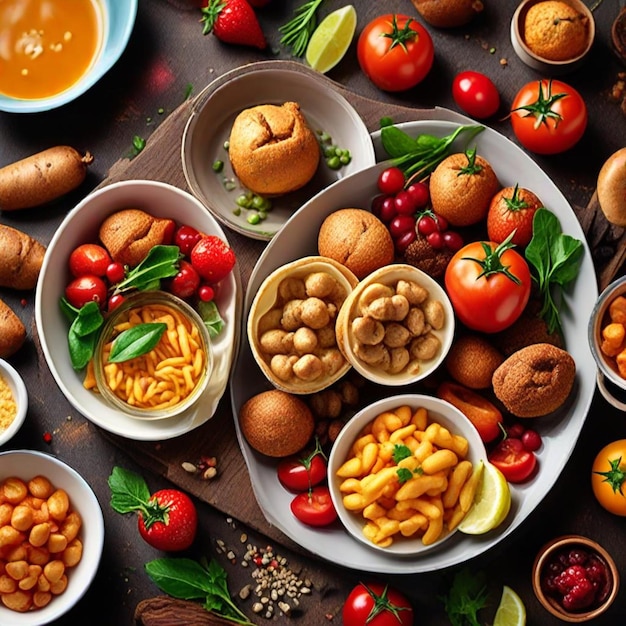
12	331
42	177
21	257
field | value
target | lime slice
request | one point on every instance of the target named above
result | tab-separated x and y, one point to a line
511	610
491	503
331	39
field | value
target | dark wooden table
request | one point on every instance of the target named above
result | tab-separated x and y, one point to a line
167	54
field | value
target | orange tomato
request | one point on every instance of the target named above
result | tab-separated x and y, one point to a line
608	475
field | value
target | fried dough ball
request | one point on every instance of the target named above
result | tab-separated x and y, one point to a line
472	360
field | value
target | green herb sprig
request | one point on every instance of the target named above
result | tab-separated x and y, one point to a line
466	597
419	156
161	262
554	259
297	32
187	579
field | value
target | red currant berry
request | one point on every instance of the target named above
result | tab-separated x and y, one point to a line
405	240
391	180
186	282
377	204
186	238
400	225
420	194
452	240
115	272
114	301
388	209
435	239
531	440
515	431
426	225
206	293
404	203
442	222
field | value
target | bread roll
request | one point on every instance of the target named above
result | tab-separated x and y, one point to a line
357	239
272	149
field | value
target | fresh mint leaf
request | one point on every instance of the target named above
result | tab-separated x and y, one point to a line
129	491
180	578
135	341
161	262
465	598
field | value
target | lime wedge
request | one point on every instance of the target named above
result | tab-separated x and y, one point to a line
331	39
511	610
491	503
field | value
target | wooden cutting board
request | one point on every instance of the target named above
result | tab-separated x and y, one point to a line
231	491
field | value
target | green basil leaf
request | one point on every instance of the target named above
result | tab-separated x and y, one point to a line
81	349
88	320
136	341
129	491
161	262
67	309
211	317
180	578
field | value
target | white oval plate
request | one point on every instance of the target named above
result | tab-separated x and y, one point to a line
214	112
559	432
81	226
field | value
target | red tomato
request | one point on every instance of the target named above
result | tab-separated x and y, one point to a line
186	282
186	237
395	52
89	259
375	605
513	460
608	475
476	94
314	507
85	289
300	474
488	284
548	116
115	272
168	521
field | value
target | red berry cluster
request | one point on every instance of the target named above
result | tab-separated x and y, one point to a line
531	439
404	209
577	578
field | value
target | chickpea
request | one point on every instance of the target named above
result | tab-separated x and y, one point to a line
291	288
373	292
270	320
56	543
71	526
10	536
17	569
372	355
273	341
22	517
368	330
425	347
315	313
291	318
414	293
14	490
308	367
73	553
396	335
58	504
332	360
54	570
434	314
18	600
415	321
282	366
6	511
399	360
39	534
304	340
321	285
326	337
393	309
40	487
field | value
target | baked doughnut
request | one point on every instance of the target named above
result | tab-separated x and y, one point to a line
272	149
535	380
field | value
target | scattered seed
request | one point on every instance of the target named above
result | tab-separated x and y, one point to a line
189	467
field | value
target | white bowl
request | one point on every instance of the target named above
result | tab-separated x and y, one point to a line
81	226
438	411
20	396
214	112
26	464
118	20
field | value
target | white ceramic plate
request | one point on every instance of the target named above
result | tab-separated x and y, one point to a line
80	226
209	127
560	433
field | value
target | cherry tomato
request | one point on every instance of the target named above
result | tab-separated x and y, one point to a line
402	242
452	240
314	507
531	439
114	301
206	293
391	180
186	237
420	194
548	116
115	272
89	259
86	289
401	224
513	460
404	203
608	474
186	282
377	605
395	52
300	474
488	284
475	94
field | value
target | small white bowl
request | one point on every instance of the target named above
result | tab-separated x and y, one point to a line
272	82
389	276
20	396
551	68
26	464
118	20
438	411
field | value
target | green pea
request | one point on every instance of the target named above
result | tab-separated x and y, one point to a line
244	201
218	166
237	212
333	162
253	219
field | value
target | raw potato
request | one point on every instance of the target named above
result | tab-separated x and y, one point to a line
12	331
21	257
612	188
42	177
448	13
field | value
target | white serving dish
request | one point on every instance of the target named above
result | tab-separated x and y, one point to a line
560	432
80	226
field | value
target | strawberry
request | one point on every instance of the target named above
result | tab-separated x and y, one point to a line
212	258
233	21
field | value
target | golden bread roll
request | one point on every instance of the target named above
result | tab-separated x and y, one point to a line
272	149
276	423
357	239
130	234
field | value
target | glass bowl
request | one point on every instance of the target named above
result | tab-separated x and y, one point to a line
170	377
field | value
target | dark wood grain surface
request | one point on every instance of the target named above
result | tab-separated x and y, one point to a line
144	95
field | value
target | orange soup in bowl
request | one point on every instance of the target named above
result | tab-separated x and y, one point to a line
46	46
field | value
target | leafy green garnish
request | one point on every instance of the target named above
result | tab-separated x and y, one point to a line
400	452
187	579
85	326
555	260
417	157
135	341
296	33
128	490
404	474
161	262
211	317
465	598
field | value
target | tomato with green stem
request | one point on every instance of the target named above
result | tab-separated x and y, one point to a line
376	605
314	507
301	473
608	475
488	284
395	52
548	116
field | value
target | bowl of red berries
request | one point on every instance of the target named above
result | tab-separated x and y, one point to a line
575	578
124	239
